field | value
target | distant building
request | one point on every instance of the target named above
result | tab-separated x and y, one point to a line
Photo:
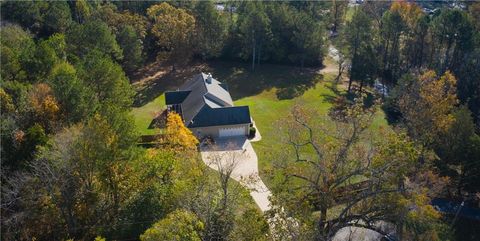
207	109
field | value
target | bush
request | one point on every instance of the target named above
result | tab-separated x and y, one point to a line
252	132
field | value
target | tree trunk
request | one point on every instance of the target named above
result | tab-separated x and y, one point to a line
460	183
302	61
400	224
322	220
253	56
349	83
258	55
385	54
340	71
350	78
353	59
420	60
394	65
447	57
225	194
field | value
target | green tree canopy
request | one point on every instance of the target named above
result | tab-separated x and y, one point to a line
92	36
132	48
179	225
75	98
211	29
17	50
358	34
254	29
106	79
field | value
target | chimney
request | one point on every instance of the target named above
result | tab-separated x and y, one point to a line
209	78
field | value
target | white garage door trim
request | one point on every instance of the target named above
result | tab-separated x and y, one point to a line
234	131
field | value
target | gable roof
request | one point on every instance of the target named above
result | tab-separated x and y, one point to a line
175	97
206	101
221	116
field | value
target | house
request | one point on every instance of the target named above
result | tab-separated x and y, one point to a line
207	109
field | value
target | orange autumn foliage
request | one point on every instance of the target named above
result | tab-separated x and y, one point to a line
44	104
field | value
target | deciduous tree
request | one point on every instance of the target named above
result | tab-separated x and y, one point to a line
17	50
45	107
177	135
75	99
323	169
179	225
459	153
173	29
427	104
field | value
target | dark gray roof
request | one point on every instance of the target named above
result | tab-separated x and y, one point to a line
175	97
221	116
204	96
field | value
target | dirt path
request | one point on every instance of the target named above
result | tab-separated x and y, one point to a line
331	66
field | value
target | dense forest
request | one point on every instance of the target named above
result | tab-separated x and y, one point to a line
72	169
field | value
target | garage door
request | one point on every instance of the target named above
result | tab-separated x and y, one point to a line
238	131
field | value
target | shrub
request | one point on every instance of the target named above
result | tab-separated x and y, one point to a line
251	132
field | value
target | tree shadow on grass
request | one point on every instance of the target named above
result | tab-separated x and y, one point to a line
289	81
155	82
331	98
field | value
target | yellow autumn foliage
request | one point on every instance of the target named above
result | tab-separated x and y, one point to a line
177	135
410	12
6	102
172	26
428	106
440	95
43	103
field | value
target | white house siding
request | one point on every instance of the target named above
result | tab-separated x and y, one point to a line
214	131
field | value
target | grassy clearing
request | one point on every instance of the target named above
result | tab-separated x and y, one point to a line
270	92
144	115
282	82
265	109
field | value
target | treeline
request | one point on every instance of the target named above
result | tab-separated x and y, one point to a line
430	64
384	41
174	32
71	168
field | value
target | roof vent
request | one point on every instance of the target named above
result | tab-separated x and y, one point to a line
209	78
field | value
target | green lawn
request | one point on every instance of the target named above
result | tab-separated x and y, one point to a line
264	92
144	115
265	109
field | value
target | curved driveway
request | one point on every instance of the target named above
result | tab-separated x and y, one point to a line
245	168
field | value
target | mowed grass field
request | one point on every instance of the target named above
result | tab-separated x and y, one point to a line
266	110
270	91
144	115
